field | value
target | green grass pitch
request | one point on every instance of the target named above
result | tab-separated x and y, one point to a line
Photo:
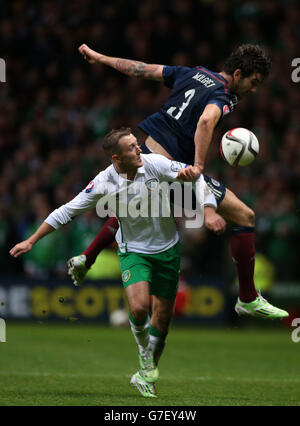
83	364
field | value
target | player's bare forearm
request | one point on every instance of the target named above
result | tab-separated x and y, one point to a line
41	232
204	133
139	69
203	137
126	66
26	246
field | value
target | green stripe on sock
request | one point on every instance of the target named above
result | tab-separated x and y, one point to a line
137	323
157	333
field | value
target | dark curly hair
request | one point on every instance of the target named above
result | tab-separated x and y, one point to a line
249	59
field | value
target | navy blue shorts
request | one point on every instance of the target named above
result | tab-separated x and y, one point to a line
217	188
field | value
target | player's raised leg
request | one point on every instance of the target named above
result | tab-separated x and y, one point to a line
78	266
77	269
242	218
103	239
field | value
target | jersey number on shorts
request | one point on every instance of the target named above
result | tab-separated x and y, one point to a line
188	95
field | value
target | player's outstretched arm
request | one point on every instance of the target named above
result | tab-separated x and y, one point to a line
26	246
126	66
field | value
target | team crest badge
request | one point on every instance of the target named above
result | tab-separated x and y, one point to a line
214	182
126	276
152	184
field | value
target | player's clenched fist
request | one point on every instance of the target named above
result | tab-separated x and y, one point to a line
90	55
21	248
213	221
190	173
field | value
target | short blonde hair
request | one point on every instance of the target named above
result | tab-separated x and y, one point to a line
111	140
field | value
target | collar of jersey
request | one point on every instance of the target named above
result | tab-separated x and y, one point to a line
223	78
214	74
140	171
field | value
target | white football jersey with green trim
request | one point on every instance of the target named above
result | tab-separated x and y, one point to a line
141	205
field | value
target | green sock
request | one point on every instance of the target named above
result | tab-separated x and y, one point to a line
157	342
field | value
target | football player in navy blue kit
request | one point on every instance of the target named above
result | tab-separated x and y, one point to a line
182	130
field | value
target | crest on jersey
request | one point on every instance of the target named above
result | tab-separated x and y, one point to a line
152	184
90	187
214	182
126	276
176	166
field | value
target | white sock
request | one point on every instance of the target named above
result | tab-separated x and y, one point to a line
141	334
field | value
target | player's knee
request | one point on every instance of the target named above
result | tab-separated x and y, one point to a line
250	218
245	218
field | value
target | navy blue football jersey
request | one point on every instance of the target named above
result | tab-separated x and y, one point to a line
174	126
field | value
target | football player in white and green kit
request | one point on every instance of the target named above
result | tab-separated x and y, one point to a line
148	244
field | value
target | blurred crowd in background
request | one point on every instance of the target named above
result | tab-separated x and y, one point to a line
55	109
